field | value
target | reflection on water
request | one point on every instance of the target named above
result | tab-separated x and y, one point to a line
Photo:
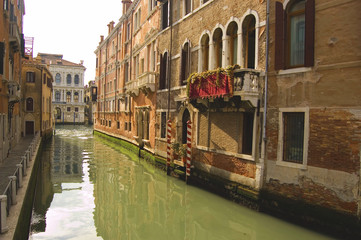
89	189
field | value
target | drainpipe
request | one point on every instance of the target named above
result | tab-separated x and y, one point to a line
264	137
170	53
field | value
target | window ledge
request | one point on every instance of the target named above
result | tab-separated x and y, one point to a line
238	155
294	70
291	165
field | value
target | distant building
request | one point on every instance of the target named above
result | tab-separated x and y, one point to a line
11	52
90	92
68	92
36	93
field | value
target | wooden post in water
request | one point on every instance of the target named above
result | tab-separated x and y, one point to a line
169	135
189	150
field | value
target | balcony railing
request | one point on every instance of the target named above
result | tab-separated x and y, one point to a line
228	82
145	83
14	35
14	92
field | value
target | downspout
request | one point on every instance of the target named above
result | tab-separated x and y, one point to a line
264	137
41	103
116	79
105	77
170	53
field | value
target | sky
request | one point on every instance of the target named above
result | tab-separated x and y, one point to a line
70	27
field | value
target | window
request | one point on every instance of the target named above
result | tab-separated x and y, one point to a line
118	125
205	53
163	124
205	1
76	79
185	64
68	97
68	79
163	83
57	96
187	6
30	77
128	32
126	72
293	136
76	109
247	133
232	32
218	47
165	15
294	34
44	78
68	109
29	104
76	97
249	39
151	5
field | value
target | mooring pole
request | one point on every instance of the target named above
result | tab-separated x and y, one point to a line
169	135
189	150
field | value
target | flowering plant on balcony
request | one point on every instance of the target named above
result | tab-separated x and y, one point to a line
212	83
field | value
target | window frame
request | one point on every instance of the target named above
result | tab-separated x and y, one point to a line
280	161
30	77
29	108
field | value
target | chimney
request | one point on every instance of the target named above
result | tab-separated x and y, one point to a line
110	27
101	38
126	5
81	62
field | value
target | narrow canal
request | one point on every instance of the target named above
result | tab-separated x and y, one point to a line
89	189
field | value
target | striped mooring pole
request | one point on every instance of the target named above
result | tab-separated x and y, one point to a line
169	135
189	148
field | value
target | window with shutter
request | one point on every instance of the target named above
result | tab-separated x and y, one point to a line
294	34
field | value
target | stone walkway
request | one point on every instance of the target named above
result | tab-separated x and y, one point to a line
8	166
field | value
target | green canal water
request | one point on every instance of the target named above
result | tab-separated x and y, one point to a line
86	189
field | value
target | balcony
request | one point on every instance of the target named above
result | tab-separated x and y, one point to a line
145	83
226	83
14	92
14	35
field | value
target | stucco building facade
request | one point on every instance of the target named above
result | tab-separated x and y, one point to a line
36	112
68	88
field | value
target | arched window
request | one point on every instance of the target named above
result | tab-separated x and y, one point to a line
233	42
58	113
76	97
294	34
185	64
76	79
68	79
57	96
296	37
205	52
68	97
249	40
29	104
58	78
218	47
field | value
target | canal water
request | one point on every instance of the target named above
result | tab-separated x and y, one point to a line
88	188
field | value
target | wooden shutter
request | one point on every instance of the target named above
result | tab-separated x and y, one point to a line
279	37
309	32
189	59
161	71
182	66
2	54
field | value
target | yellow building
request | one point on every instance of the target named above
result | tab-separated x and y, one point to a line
36	105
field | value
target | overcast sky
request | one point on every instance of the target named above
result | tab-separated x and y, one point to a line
70	27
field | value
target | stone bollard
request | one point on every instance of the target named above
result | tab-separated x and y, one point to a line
24	163
3	226
13	189
20	169
28	157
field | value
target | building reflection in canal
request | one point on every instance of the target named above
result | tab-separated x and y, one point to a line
89	189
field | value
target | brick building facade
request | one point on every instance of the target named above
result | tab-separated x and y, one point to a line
314	118
179	61
11	52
